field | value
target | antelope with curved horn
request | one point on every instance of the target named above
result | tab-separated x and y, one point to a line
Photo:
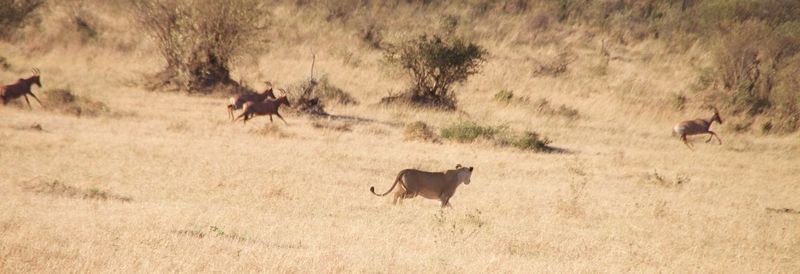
266	107
698	126
239	101
22	88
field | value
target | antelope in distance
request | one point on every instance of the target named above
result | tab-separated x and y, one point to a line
22	88
266	107
698	126
238	102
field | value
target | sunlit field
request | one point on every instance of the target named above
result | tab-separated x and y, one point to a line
152	181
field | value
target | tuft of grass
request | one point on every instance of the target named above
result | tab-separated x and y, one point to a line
659	179
64	101
4	64
543	106
529	140
504	96
419	131
678	101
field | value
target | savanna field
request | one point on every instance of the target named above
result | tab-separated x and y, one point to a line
110	174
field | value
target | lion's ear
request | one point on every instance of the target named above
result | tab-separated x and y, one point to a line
470	169
458	166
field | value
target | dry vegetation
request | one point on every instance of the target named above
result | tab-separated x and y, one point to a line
178	188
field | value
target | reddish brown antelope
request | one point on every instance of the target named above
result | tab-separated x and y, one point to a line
266	107
239	101
21	88
698	126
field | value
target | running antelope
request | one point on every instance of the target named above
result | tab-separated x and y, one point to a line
21	88
239	101
266	107
698	126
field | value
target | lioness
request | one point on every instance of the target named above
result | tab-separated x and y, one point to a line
431	185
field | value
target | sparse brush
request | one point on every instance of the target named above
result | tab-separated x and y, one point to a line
14	14
311	96
554	66
419	131
63	100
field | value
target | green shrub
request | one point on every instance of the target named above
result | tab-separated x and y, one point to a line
434	65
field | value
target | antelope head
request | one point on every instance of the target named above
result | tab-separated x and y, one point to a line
716	115
35	78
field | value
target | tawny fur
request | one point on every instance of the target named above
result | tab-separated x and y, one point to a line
22	88
431	185
697	126
267	107
238	102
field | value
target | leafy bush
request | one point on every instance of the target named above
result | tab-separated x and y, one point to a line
15	13
198	39
434	65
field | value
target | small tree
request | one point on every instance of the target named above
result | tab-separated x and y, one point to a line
198	39
434	66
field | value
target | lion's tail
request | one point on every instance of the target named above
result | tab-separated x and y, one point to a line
397	180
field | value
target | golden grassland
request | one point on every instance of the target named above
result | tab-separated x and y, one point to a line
170	185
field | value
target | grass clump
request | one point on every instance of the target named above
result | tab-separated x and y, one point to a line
530	140
504	96
465	132
419	131
63	100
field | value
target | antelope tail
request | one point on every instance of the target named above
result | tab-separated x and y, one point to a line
397	180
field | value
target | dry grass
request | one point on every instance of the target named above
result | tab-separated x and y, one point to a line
211	196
